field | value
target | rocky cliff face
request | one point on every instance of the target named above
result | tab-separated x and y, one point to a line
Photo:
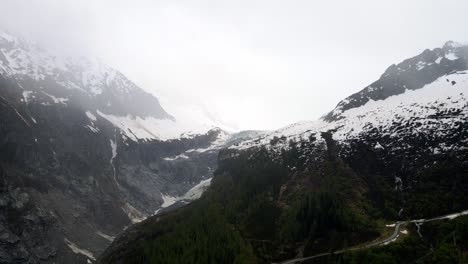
84	153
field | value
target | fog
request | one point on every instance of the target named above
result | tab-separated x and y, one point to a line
251	64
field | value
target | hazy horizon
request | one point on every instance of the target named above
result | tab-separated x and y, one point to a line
250	64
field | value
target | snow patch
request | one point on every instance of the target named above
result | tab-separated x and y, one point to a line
378	146
107	237
451	56
181	156
57	100
95	130
113	144
26	96
91	116
197	191
78	250
193	194
133	214
22	118
444	94
168	200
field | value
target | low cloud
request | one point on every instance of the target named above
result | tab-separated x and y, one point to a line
252	64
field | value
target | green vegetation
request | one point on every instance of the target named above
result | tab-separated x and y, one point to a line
442	242
262	208
440	189
198	234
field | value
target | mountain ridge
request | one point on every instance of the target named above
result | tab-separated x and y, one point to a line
410	74
84	153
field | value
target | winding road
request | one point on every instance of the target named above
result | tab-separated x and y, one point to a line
376	243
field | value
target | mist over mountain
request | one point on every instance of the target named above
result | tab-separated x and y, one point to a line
233	132
86	153
255	65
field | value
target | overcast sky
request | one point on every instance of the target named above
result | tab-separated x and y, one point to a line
254	64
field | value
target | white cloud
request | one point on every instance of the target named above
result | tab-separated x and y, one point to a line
254	64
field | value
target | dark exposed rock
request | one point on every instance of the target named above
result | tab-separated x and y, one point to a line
70	179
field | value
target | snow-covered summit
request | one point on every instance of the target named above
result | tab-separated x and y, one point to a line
438	109
24	60
101	91
411	74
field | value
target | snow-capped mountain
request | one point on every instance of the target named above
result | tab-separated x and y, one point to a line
411	74
84	152
101	91
425	94
416	121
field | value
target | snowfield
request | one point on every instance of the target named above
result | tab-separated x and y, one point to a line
421	108
104	88
193	194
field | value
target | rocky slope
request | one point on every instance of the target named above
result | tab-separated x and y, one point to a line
396	150
84	153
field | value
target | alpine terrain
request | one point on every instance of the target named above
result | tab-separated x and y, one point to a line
382	178
84	153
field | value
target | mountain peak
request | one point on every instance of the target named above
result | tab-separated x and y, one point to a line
410	74
78	81
452	45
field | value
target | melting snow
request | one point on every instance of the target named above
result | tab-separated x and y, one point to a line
169	200
113	144
193	194
451	56
22	118
378	146
133	214
95	130
107	237
78	250
181	156
197	191
56	100
91	116
27	95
